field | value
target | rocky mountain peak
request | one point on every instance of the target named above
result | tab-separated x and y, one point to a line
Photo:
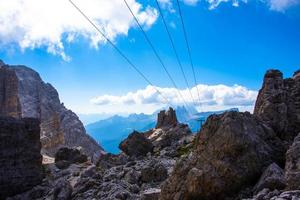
24	94
278	103
166	118
273	73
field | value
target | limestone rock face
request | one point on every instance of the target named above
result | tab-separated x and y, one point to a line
292	166
166	118
24	94
20	158
9	101
278	104
136	145
230	153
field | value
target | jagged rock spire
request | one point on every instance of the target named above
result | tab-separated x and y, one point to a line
166	118
278	103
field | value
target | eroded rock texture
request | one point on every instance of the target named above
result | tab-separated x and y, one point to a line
292	166
230	153
278	104
169	134
166	118
272	178
24	94
20	158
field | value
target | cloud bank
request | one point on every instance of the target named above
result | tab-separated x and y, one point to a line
212	97
49	23
276	5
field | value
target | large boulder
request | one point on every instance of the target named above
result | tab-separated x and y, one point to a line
20	158
278	104
136	144
292	166
154	172
272	178
24	94
230	154
66	156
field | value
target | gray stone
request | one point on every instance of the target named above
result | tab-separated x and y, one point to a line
292	166
20	158
272	178
230	153
62	190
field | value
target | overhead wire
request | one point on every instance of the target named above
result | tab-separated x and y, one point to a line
120	52
157	55
189	50
175	51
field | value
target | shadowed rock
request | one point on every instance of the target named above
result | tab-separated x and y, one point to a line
230	154
272	178
136	144
292	166
66	156
20	158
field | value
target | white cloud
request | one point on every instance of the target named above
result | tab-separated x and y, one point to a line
45	23
190	2
212	97
282	5
276	5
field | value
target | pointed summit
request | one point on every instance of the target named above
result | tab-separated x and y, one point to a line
166	118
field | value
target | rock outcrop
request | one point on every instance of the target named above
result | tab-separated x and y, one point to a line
169	134
272	178
65	156
278	104
24	94
230	153
166	118
20	158
136	145
292	166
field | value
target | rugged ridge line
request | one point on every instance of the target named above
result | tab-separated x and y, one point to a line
24	94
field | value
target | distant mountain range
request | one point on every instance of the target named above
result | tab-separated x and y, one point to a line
111	131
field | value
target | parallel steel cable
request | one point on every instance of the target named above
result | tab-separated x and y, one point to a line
120	52
174	49
156	54
188	49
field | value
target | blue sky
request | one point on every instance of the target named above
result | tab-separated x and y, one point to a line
231	45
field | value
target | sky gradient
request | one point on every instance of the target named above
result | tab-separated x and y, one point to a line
232	45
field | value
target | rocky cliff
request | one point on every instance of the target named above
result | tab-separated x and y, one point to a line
230	152
24	94
20	158
238	154
278	104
